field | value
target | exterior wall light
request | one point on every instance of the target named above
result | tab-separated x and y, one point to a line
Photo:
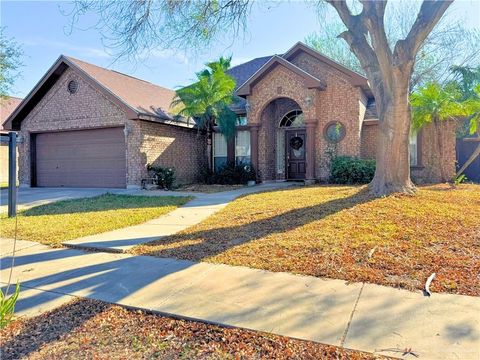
308	102
247	107
127	130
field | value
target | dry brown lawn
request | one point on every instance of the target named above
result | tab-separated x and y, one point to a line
342	232
89	329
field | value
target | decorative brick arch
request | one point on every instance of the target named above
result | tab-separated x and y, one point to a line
279	83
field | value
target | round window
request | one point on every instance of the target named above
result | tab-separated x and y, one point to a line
72	86
335	131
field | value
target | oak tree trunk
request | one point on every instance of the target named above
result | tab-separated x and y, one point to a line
389	72
393	158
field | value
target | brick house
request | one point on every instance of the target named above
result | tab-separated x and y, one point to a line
301	108
86	126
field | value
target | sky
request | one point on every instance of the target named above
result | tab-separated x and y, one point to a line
42	29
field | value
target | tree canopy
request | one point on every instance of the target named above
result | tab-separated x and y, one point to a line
207	100
10	63
450	42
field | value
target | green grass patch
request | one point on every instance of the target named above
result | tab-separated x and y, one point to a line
65	220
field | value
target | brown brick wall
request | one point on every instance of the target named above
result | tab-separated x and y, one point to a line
59	110
433	162
168	146
369	138
88	108
339	102
428	170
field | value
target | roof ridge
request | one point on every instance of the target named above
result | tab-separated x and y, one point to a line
260	57
117	72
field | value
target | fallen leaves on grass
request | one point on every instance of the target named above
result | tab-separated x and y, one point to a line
89	329
330	231
65	220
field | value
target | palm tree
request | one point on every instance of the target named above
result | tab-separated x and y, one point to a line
207	101
435	103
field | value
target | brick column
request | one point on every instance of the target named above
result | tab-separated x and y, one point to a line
254	145
310	150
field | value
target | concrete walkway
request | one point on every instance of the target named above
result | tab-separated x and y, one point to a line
357	316
194	212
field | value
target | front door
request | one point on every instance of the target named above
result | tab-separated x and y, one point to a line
295	152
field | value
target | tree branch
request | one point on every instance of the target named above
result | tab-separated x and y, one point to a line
430	13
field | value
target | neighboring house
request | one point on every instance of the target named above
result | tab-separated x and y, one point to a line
83	125
86	126
7	105
301	108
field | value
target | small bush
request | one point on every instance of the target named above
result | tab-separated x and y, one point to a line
350	170
163	177
229	174
7	306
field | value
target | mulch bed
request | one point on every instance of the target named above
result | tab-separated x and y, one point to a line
88	329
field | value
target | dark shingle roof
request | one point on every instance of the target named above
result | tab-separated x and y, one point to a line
243	72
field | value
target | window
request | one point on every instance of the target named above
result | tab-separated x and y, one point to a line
294	118
242	147
219	151
241	120
335	131
413	141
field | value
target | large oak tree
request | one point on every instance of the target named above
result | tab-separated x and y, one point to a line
137	26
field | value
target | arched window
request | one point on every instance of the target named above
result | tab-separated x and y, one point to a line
294	118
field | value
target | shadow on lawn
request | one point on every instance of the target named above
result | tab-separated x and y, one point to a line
160	284
104	202
214	241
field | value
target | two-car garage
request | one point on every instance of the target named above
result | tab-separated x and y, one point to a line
80	158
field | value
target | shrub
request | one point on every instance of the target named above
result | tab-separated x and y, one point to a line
7	306
350	170
229	174
163	177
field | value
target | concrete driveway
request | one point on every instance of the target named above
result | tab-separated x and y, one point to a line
29	197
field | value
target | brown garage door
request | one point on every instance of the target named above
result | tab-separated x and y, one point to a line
84	158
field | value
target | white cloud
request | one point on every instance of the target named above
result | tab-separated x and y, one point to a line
167	54
65	48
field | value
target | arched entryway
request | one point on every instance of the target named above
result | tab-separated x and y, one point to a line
282	141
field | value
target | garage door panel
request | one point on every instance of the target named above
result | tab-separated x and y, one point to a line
84	158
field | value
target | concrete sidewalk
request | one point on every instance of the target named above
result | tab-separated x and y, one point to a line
194	212
357	316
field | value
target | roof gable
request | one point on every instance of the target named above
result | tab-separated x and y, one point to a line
243	72
355	78
310	81
136	97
